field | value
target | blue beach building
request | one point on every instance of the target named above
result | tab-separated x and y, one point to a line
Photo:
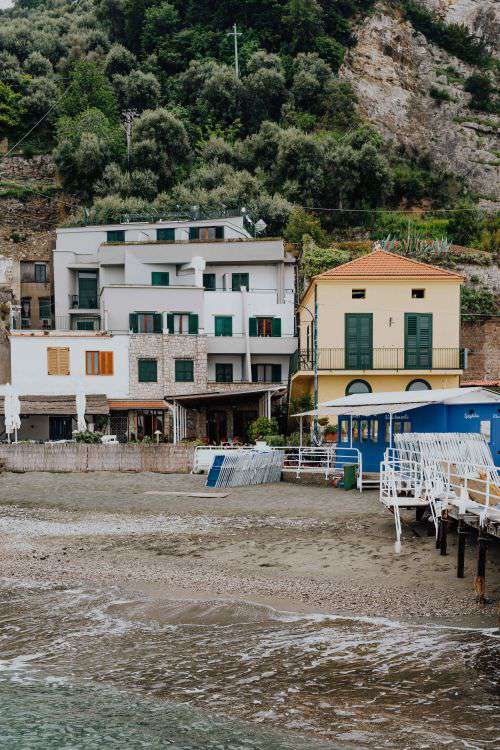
369	421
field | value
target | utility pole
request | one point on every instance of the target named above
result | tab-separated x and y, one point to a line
129	116
235	33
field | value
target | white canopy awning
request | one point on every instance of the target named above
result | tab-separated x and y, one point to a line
361	411
393	402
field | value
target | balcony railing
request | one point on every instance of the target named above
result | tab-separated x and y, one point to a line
80	302
390	358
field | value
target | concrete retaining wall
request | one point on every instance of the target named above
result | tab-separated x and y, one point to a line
165	459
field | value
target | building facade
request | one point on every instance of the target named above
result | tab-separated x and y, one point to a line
204	310
384	323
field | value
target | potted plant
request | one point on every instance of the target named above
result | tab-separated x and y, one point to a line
330	433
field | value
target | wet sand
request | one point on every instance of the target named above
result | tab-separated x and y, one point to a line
294	547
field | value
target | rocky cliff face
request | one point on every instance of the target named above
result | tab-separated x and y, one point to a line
393	69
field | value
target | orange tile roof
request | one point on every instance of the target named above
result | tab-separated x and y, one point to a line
117	404
385	265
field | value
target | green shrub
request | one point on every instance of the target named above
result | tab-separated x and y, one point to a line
88	437
482	91
477	300
276	440
294	438
262	427
440	95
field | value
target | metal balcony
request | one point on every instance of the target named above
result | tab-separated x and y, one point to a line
86	302
390	358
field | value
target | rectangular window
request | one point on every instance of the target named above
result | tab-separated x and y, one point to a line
44	307
182	323
238	280
223	372
184	371
41	273
264	326
160	278
417	293
85	325
358	341
87	290
115	235
355	430
363	430
266	373
165	235
206	233
374	430
147	371
418	341
358	293
223	325
58	360
209	282
344	430
145	322
98	363
387	431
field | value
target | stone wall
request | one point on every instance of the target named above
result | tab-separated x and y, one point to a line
163	458
482	339
4	355
37	168
166	349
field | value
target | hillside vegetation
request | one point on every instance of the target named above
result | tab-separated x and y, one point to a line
284	134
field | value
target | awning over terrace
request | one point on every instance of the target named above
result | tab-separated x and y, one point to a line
60	405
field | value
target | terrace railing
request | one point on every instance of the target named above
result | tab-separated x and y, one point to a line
384	358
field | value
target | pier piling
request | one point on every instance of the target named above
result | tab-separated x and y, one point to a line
443	542
461	531
480	582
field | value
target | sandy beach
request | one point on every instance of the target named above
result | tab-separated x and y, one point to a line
295	547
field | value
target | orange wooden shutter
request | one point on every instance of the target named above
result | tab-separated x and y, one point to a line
105	363
58	360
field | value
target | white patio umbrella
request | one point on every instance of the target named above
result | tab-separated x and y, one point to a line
81	405
8	412
16	413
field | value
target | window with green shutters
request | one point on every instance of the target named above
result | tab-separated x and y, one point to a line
358	341
145	322
223	372
167	234
85	325
115	235
184	371
209	282
264	326
223	325
238	280
418	341
182	323
44	307
266	373
147	371
160	278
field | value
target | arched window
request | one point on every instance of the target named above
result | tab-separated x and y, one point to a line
358	386
418	385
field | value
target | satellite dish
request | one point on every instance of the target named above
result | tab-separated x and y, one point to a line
260	226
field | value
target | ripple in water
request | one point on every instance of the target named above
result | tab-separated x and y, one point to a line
356	683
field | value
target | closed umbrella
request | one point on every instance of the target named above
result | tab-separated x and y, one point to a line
16	413
81	405
8	412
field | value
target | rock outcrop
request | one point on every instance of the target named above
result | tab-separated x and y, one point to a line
394	68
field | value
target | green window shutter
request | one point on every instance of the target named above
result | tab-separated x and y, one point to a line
254	374
85	325
160	278
184	370
219	233
358	341
115	235
193	233
133	322
170	322
223	325
276	373
252	326
238	280
223	372
209	282
418	341
157	323
193	323
276	327
147	370
165	235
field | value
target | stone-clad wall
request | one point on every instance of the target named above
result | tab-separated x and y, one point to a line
482	339
40	167
166	349
162	458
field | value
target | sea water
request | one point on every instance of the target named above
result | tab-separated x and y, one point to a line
94	669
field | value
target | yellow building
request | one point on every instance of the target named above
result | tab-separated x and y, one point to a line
385	323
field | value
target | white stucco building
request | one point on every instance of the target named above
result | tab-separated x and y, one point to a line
199	315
